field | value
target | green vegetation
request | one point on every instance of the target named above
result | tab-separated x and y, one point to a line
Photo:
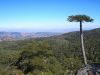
59	55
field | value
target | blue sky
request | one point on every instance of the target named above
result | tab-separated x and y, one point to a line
46	15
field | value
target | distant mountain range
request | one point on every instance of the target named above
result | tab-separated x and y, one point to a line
10	36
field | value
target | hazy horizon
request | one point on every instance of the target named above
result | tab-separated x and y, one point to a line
59	31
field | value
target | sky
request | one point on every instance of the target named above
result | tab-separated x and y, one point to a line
46	15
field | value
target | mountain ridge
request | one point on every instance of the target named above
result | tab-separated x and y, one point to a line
10	36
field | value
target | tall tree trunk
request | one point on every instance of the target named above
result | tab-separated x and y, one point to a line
82	44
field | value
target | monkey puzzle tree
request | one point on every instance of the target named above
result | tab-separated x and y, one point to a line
81	19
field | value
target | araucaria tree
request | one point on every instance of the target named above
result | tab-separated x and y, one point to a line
81	19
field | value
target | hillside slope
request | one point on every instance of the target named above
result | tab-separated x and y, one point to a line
56	55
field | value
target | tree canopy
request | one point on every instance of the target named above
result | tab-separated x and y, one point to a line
78	18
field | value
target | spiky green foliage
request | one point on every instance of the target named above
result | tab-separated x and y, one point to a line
78	18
